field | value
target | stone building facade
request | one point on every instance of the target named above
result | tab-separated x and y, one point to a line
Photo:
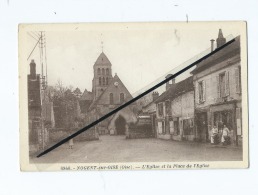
217	82
175	111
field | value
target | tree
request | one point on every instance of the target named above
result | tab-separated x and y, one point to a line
65	106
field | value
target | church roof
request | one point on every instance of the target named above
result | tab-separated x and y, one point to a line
114	79
102	60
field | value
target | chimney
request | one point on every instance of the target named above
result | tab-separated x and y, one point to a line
220	40
173	81
33	69
167	83
155	95
212	45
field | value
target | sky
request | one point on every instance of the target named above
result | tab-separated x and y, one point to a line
140	53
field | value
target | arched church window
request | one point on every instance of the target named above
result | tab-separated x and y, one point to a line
107	71
107	81
99	80
122	97
98	70
103	71
103	81
111	98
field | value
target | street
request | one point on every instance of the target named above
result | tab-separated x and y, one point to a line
118	149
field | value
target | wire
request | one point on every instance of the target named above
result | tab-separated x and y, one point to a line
33	36
33	49
45	55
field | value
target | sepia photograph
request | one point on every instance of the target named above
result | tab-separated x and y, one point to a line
133	96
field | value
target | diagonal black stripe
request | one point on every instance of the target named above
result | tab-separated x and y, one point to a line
133	100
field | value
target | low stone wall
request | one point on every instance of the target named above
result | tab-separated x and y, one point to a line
164	136
56	135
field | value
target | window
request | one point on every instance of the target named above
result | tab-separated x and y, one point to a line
98	70
201	91
223	84
103	71
107	81
122	97
103	81
99	80
107	71
223	118
238	79
111	98
163	127
168	107
160	109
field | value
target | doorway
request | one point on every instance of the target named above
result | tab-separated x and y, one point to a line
120	125
202	127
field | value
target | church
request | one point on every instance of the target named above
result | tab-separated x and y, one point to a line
108	92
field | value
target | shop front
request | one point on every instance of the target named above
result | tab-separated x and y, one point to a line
227	114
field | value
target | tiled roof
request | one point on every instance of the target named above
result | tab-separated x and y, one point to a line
176	90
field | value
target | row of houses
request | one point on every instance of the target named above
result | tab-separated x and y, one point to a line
187	110
211	96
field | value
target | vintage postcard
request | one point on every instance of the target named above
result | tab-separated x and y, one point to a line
133	96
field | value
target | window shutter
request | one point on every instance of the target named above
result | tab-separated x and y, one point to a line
197	93
204	90
171	125
238	120
237	80
227	84
218	87
160	127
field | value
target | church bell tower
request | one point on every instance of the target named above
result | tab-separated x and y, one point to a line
102	75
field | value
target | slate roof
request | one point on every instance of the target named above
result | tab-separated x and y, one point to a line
176	90
102	60
223	54
114	79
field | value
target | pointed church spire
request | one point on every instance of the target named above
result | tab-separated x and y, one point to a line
102	43
220	40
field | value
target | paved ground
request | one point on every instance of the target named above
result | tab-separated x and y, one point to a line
119	149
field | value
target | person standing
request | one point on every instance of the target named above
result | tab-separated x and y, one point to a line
225	134
214	133
71	144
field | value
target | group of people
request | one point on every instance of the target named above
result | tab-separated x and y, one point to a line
220	136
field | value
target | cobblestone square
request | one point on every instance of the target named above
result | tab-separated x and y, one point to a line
110	149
